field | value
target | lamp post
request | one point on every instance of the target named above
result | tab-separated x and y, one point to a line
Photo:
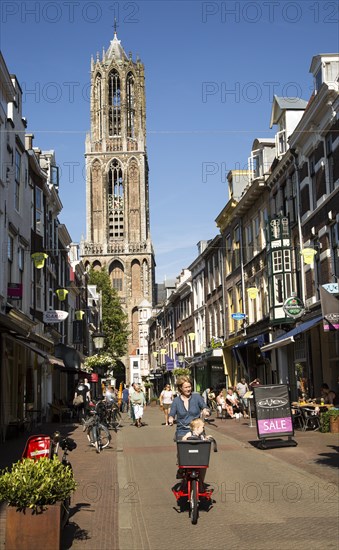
181	358
98	342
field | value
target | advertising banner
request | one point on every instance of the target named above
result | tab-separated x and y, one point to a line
14	291
273	411
329	309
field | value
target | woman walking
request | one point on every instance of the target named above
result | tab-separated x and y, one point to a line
138	401
166	400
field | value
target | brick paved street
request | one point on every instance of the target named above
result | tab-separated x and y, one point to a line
271	499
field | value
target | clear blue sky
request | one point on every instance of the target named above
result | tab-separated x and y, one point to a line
211	70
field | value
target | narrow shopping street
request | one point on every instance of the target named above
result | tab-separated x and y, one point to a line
262	499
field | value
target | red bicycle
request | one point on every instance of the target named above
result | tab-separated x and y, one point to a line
193	460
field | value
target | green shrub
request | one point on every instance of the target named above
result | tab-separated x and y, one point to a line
35	484
325	419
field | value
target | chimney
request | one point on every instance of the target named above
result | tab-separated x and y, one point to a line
29	141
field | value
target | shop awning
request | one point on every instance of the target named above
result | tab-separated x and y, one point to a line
49	358
260	340
288	337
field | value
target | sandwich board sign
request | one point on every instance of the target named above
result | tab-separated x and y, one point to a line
273	414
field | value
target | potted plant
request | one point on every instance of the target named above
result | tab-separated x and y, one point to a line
329	421
154	401
35	492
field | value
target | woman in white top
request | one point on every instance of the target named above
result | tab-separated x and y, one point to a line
166	399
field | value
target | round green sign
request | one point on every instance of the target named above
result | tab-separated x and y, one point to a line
294	307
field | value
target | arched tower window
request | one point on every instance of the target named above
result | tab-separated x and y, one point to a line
115	201
97	108
130	105
114	104
116	272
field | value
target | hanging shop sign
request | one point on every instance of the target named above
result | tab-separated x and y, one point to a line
332	288
54	316
294	307
273	411
14	291
238	316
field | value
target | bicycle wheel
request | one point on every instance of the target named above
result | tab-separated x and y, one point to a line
194	501
104	436
95	438
65	512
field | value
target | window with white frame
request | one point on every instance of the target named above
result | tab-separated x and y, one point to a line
264	218
228	254
236	247
38	287
17	180
256	235
21	262
230	309
249	242
38	210
10	258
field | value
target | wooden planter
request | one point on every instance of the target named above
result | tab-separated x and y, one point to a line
27	531
334	424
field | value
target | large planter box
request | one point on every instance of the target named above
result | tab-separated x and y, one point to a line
27	531
334	424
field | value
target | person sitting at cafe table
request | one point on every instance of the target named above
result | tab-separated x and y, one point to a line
329	396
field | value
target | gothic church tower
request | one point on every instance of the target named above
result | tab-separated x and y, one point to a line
117	193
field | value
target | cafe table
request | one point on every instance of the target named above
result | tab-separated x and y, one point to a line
312	405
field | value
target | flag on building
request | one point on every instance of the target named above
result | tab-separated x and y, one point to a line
329	309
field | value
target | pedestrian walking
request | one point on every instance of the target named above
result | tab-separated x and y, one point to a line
242	389
166	400
138	401
81	400
125	399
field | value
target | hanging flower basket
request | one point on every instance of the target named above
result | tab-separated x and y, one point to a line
103	360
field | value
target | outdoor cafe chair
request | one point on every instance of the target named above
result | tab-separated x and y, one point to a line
298	418
310	418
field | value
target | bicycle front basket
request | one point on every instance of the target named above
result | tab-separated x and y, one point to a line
194	453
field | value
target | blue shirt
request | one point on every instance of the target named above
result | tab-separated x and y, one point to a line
195	405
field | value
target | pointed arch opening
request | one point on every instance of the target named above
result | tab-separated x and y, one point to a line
117	276
130	105
97	97
114	104
115	201
136	279
96	265
135	326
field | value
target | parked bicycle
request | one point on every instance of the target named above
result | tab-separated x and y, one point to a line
39	446
96	427
193	461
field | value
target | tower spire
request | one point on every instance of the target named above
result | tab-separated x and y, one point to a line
115	26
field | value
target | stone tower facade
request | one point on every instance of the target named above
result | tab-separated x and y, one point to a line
117	192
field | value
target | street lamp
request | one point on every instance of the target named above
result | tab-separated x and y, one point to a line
98	340
181	358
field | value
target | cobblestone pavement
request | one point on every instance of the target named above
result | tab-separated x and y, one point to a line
263	499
